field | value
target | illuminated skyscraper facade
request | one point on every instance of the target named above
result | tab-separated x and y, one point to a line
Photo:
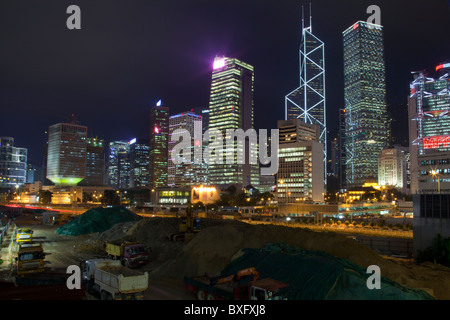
119	164
429	130
95	163
230	108
13	163
186	174
300	155
139	163
159	138
66	155
308	102
365	101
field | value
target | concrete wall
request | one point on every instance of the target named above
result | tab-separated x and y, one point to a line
427	228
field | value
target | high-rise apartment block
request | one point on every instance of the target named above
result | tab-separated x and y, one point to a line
66	155
13	163
230	108
365	101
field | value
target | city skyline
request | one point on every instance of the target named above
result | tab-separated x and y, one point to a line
106	77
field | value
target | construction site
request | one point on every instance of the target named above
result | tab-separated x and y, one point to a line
188	258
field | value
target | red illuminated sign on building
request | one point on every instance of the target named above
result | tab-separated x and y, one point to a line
436	142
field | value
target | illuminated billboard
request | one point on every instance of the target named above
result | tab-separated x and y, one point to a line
204	194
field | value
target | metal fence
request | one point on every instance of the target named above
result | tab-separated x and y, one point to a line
389	246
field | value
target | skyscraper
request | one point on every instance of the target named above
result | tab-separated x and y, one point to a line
365	101
139	163
308	102
429	130
230	108
342	150
186	174
159	138
66	156
13	163
300	154
95	163
119	164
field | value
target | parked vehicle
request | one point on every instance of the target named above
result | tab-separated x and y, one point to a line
131	254
24	235
30	258
244	285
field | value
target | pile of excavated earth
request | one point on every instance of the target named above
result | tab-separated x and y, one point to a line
220	241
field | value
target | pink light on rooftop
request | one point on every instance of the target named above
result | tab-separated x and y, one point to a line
219	63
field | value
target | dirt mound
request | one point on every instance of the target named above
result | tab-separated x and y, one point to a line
220	242
97	220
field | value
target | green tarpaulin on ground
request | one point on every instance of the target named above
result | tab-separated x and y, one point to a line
97	220
314	275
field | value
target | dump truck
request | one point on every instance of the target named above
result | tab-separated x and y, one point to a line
244	285
24	235
112	281
30	258
131	254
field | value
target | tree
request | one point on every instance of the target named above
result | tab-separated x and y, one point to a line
110	197
45	197
198	206
438	252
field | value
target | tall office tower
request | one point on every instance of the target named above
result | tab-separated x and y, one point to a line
186	174
31	173
139	163
365	101
429	130
66	155
95	163
342	150
300	157
159	138
205	117
308	102
119	164
392	168
333	169
13	164
230	108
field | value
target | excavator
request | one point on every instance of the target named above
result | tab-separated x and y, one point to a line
251	273
187	229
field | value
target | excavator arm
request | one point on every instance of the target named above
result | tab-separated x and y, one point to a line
248	272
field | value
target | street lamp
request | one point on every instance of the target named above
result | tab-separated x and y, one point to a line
435	173
278	191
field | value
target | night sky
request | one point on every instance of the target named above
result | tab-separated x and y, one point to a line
131	53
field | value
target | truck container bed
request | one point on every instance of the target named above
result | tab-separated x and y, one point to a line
123	279
227	291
